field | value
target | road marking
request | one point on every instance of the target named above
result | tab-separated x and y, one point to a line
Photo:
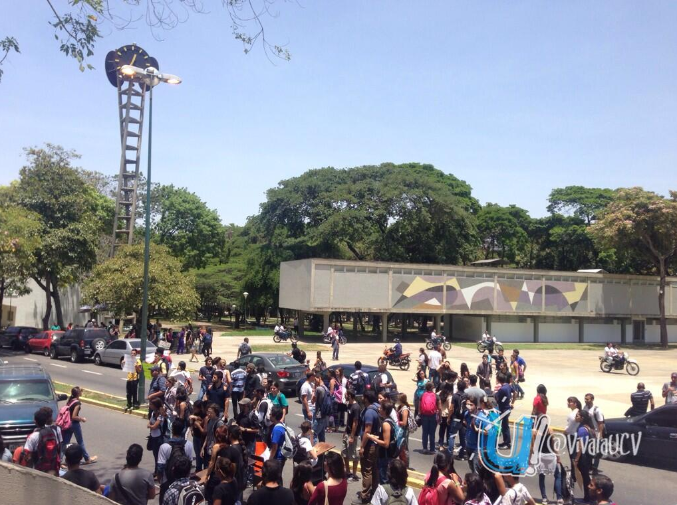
60	366
300	415
89	371
30	359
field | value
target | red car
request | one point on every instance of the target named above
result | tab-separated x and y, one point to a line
41	342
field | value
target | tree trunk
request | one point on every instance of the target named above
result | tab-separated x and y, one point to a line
57	302
661	303
48	304
2	297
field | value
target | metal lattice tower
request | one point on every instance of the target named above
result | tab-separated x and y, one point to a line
131	100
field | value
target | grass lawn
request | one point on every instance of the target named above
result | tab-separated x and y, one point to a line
285	346
118	401
508	346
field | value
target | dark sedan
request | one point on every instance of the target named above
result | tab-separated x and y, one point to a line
651	436
370	370
280	367
17	336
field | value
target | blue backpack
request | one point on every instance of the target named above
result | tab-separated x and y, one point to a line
327	405
208	338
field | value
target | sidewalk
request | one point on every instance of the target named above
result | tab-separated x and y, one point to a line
564	372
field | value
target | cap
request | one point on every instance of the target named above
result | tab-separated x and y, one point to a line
244	401
251	366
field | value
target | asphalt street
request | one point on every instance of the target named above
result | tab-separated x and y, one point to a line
109	433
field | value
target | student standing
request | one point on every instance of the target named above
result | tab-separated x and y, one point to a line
335	487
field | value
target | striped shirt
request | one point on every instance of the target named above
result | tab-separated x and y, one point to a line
640	401
238	377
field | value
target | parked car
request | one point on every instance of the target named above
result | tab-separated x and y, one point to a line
24	389
280	367
115	352
17	336
41	342
658	442
348	369
80	343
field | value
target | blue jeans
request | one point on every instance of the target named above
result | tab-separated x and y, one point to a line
505	429
197	445
429	425
558	484
454	428
319	427
383	470
435	377
203	391
76	430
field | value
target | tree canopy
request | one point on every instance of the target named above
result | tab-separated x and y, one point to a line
118	283
583	202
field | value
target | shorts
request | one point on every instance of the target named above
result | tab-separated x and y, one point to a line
351	451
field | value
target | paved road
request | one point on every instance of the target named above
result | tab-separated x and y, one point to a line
109	433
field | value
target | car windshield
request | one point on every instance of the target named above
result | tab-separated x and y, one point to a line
149	346
15	391
282	360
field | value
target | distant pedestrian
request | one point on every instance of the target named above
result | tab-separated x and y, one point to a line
422	361
640	400
335	345
76	424
434	360
428	409
420	381
244	349
205	377
670	389
505	404
157	426
208	340
540	402
181	347
583	460
133	382
597	418
484	372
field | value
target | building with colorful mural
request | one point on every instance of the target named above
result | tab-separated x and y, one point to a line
514	305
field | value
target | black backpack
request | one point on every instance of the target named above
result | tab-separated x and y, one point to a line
358	382
300	453
178	450
392	450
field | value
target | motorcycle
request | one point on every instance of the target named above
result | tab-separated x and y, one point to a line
441	340
284	336
607	364
483	345
403	360
327	339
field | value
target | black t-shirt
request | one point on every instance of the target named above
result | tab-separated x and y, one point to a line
296	353
250	384
457	402
227	492
244	422
235	454
217	395
207	372
83	478
353	413
266	495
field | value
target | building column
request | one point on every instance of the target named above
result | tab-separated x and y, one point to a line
301	316
581	330
355	321
384	327
487	321
536	330
438	324
404	325
447	326
326	321
624	332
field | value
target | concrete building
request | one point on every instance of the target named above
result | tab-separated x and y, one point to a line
514	305
29	310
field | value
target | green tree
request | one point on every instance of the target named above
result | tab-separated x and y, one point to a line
118	283
645	222
19	238
184	223
70	213
502	230
583	202
7	45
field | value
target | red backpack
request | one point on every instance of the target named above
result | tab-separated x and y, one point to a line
47	457
428	403
63	419
428	496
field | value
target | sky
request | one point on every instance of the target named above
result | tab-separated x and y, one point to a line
516	98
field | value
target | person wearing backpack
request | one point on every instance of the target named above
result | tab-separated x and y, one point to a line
176	446
133	485
183	491
351	437
395	491
370	422
207	341
428	409
405	420
323	402
456	426
76	425
386	440
277	436
358	380
43	446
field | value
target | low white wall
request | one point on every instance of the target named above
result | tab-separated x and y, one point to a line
512	332
21	485
558	332
605	332
652	333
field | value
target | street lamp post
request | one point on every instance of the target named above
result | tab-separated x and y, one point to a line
150	77
245	294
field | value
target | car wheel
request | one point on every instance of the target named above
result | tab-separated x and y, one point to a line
632	368
614	450
74	356
45	351
52	353
99	344
97	360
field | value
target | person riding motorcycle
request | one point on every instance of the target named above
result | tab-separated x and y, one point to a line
488	341
397	349
611	353
279	330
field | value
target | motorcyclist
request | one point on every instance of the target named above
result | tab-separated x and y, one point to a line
279	330
620	356
397	349
488	341
610	353
433	338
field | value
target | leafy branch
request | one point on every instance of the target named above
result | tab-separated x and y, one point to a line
7	45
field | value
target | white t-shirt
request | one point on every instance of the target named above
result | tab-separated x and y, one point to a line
330	330
433	334
180	375
307	389
596	416
572	424
305	443
421	359
277	329
516	495
381	497
33	439
434	359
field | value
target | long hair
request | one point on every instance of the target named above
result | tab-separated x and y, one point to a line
335	466
303	473
586	419
542	392
397	474
576	401
440	464
75	393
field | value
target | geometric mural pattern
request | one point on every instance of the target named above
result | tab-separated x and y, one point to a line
427	293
